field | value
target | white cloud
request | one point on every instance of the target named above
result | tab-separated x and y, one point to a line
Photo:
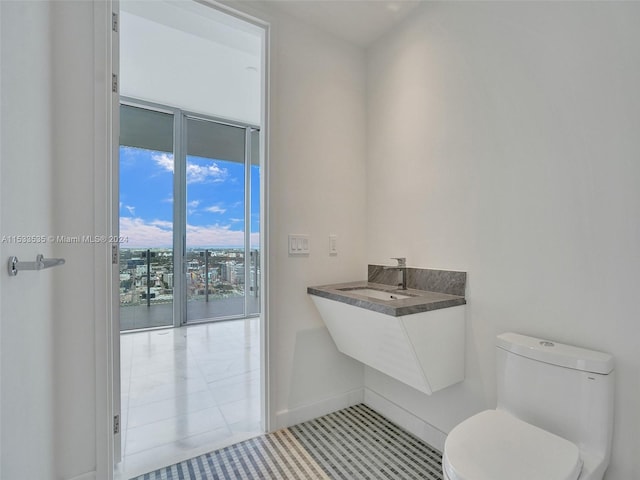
142	234
214	235
195	173
164	224
164	161
207	173
215	209
159	233
192	207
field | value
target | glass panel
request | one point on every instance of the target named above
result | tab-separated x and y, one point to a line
215	220
253	288
146	218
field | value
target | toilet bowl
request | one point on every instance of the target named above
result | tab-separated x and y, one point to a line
484	448
551	398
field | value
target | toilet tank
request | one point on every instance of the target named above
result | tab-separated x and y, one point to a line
563	389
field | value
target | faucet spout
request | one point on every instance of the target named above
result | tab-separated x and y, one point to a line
402	268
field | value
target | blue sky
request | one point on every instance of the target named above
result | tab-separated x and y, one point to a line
215	201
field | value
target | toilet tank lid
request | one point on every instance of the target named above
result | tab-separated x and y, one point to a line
556	353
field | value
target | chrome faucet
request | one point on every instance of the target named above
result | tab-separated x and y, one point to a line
401	267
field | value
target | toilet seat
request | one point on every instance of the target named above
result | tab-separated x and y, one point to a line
494	445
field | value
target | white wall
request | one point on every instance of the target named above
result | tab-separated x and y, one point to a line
26	319
502	141
316	186
164	64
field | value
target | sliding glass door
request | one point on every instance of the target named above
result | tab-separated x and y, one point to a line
146	218
216	219
190	184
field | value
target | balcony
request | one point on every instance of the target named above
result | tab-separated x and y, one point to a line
215	284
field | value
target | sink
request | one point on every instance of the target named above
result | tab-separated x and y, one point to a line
377	294
423	350
416	337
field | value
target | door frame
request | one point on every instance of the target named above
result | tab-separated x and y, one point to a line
106	260
106	271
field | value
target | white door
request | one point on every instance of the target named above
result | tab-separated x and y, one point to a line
27	391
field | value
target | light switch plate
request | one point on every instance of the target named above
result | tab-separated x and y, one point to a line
333	245
299	244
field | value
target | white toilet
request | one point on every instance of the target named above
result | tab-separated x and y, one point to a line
553	421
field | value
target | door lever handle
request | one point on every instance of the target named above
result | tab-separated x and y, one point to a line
41	263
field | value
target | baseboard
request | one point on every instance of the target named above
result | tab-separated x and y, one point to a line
85	476
407	420
287	418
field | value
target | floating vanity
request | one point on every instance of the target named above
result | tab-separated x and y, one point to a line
415	335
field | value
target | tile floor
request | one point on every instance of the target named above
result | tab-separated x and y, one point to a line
353	443
187	391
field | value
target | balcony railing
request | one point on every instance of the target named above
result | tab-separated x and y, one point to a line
214	277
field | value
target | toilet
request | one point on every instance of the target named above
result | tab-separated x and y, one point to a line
553	419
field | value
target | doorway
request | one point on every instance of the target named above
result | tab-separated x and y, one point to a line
191	209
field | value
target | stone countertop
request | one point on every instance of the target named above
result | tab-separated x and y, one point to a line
420	301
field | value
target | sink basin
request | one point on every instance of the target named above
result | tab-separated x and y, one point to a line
377	294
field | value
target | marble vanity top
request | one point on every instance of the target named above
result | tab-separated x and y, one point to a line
419	301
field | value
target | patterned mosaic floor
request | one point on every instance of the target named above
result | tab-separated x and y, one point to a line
354	443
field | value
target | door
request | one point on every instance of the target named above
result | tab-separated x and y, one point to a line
146	217
220	266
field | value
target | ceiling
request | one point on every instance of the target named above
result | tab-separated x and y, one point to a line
358	21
